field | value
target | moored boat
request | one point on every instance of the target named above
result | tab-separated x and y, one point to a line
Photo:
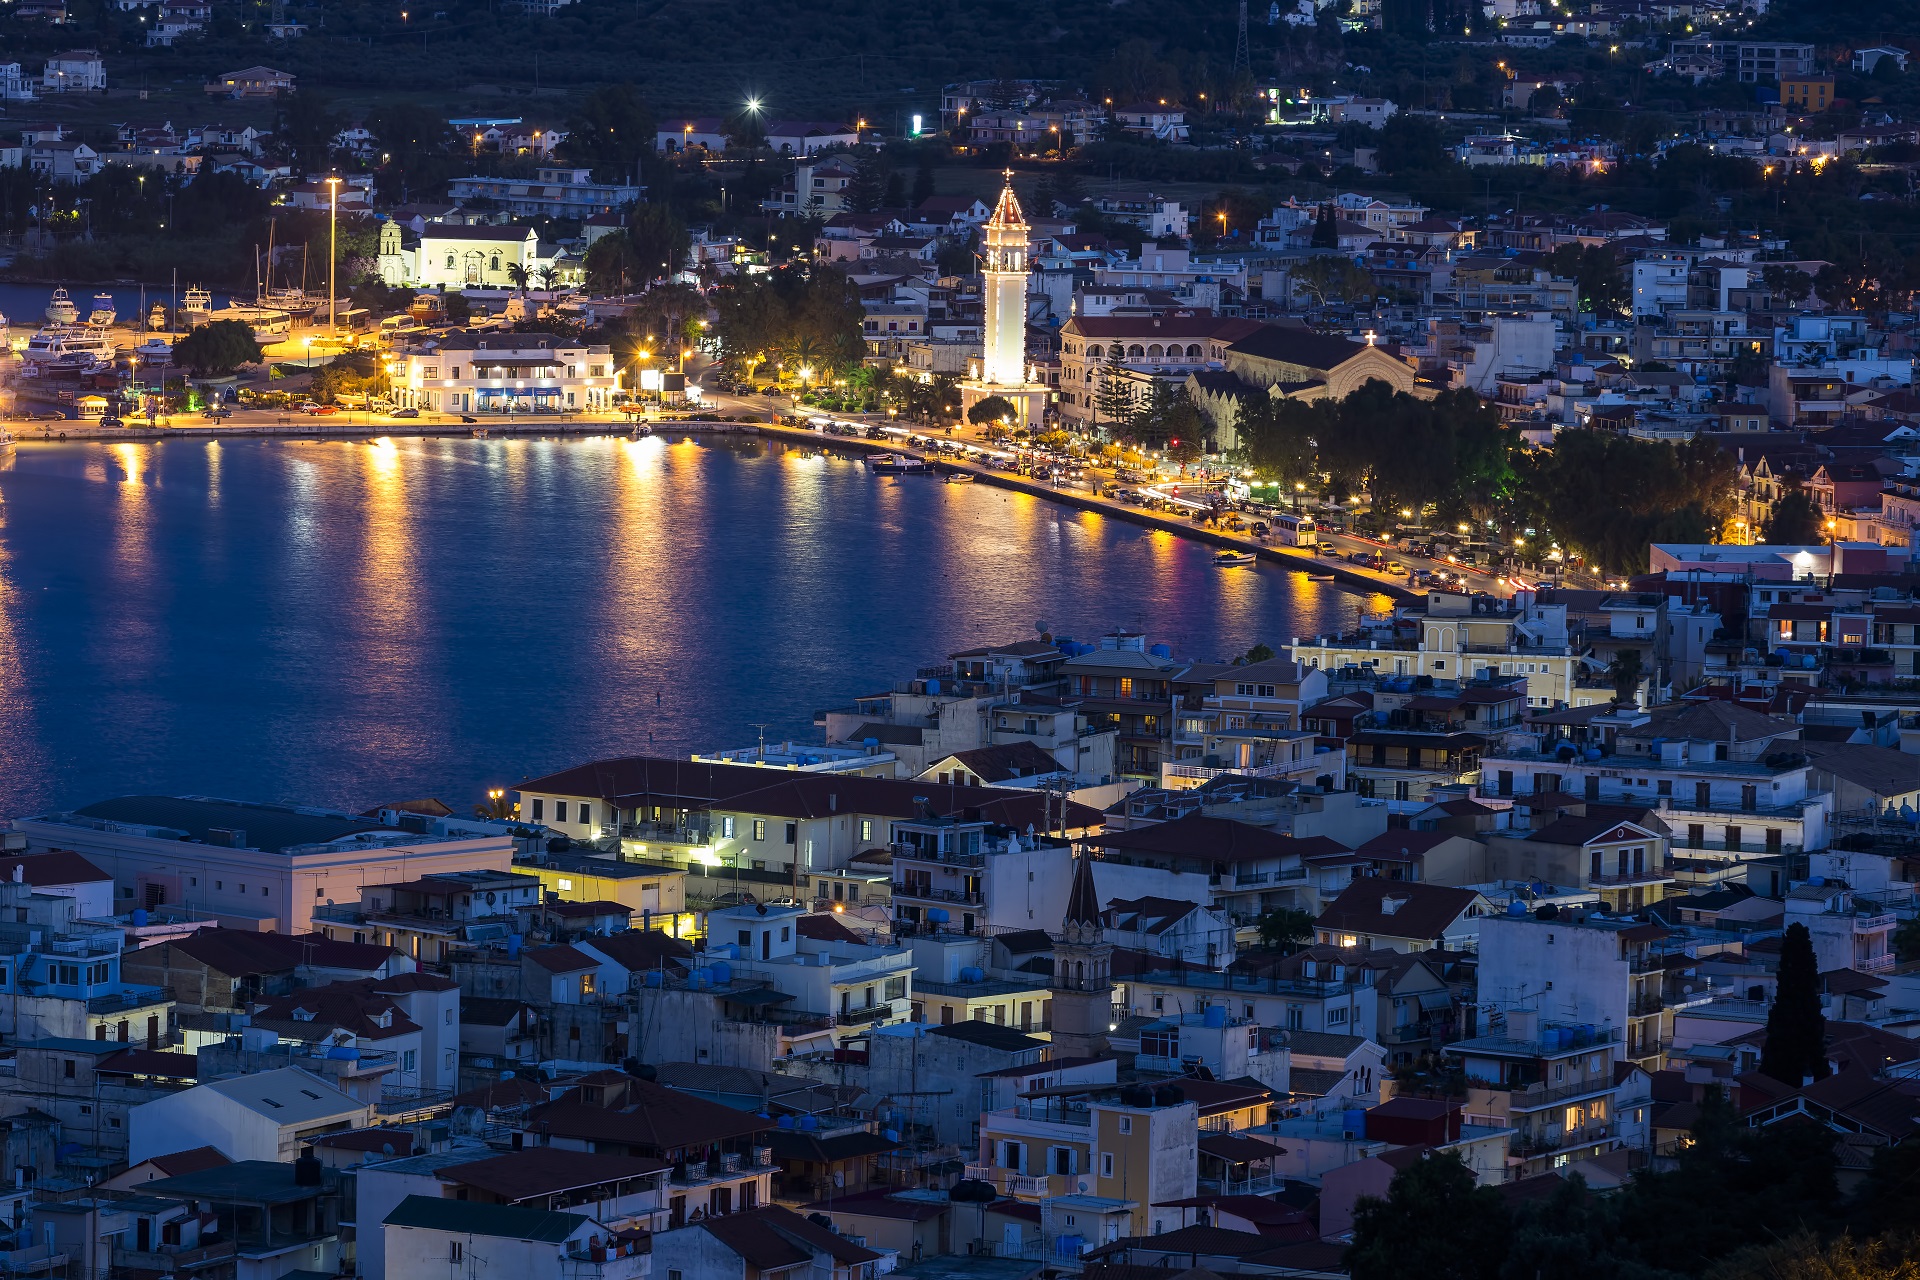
60	308
1235	559
104	312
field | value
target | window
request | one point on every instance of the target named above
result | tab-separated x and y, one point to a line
726	827
793	833
1106	1164
410	1060
559	810
1337	1017
1126	1124
866	828
759	828
539	807
453	1251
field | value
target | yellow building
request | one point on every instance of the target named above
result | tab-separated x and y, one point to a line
1808	93
657	895
1025	1006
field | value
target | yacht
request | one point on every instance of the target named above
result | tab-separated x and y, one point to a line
60	308
157	318
268	325
104	313
1235	559
155	351
959	477
62	346
194	307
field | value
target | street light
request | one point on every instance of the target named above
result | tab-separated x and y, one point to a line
333	219
1299	487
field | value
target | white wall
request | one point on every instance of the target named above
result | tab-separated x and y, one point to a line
200	1117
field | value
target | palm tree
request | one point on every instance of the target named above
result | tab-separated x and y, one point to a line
518	276
1624	674
548	274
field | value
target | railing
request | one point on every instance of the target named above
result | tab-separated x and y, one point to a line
34	1258
1412	1033
945	857
1009	1181
1874	923
1876	964
1658	875
911	890
860	1017
1534	1096
1643	1005
133	998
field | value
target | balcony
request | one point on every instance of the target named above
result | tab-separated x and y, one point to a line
920	893
1876	964
1009	1182
1655	875
861	1017
1553	1139
945	857
39	1259
173	1258
1643	1006
1534	1096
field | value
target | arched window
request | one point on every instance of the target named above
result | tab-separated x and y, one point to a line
1089	375
1135	351
1081	975
449	262
1094	350
1155	352
493	263
1193	351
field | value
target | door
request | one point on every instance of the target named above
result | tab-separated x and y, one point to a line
1749	796
1702	795
143	1234
766	944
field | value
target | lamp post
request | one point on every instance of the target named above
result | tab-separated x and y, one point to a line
1299	487
333	219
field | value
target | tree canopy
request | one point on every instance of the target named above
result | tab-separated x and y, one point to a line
217	349
793	316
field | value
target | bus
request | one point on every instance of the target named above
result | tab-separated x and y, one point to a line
1293	529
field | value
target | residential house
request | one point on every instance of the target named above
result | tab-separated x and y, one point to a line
1400	915
267	1116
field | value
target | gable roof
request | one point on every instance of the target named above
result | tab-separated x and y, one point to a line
539	1171
988	1035
1397	908
1303	347
241	953
1199	835
650	1116
286	1095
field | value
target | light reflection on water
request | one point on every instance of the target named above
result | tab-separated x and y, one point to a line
350	623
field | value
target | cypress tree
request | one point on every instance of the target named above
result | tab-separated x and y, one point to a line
1796	1048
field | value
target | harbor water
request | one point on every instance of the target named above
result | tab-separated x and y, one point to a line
347	623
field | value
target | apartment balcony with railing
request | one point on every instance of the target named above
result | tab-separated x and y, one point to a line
165	1259
1553	1139
128	999
1011	1182
919	891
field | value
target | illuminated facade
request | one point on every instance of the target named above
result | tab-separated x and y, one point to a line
1003	367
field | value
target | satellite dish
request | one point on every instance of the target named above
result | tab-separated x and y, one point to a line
1041	627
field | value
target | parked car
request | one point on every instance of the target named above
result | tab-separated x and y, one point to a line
406	413
112	422
1326	549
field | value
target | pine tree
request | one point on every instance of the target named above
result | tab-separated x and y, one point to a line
1796	1048
1326	231
1113	396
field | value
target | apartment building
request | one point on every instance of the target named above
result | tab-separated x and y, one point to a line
553	192
1101	1160
1552	1083
1124	682
1459	637
257	866
1732	784
1619	852
860	986
1581	967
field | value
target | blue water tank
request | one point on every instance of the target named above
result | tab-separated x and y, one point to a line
722	973
139	917
1161	651
937	915
653	978
343	1053
1354	1121
891	1135
973	973
513	944
1517	908
1216	1015
809	1123
786	1122
933	686
870	743
697	979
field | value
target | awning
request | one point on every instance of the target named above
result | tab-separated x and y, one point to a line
1434	1001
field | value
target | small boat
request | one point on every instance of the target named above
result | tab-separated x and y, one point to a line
1235	559
640	431
885	464
104	312
1322	575
959	477
155	351
915	467
479	433
60	308
157	318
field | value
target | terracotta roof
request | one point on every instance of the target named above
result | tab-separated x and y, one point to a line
1083	901
772	1237
562	960
1880	770
1418	910
648	1116
241	953
1198	835
637	950
348	1006
58	866
1238	1148
192	1160
1301	347
1404	843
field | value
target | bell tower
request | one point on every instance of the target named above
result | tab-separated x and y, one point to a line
1082	984
1004	249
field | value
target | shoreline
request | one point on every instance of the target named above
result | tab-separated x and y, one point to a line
1344	574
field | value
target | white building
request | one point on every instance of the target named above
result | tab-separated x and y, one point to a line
499	372
1582	968
858	987
256	866
425	1236
266	1116
15	84
77	71
566	193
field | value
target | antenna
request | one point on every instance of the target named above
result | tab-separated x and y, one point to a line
762	757
1242	60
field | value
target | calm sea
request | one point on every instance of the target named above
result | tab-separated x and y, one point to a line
349	623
